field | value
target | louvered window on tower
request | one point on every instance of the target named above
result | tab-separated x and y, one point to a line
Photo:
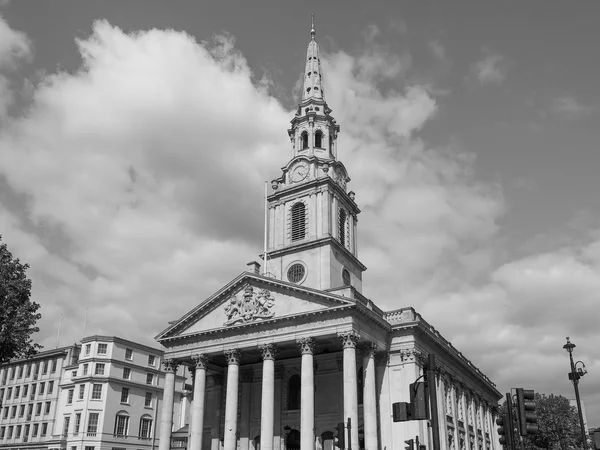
298	216
343	227
318	139
304	137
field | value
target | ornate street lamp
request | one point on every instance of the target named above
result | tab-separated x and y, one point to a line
574	375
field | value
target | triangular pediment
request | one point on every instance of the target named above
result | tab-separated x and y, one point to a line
252	299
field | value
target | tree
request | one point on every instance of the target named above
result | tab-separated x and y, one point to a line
558	422
18	314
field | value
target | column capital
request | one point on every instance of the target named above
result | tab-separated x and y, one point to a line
233	356
349	339
200	360
369	349
307	345
268	351
170	365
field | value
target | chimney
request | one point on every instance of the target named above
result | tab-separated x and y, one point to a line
254	267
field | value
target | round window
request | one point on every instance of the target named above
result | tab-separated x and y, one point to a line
346	277
296	273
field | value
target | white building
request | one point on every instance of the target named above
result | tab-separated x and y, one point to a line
281	358
29	393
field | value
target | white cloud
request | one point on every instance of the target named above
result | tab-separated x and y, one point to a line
568	107
492	68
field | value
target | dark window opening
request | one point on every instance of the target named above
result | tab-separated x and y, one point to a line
294	393
304	136
346	277
319	139
360	385
342	228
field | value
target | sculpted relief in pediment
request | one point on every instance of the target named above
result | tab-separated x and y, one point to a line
249	307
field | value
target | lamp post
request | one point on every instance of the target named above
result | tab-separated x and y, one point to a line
575	374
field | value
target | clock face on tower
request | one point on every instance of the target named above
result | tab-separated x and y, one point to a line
299	172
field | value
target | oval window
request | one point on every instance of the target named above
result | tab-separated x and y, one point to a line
346	277
296	273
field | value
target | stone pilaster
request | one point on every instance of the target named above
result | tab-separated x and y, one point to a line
166	418
231	402
349	341
197	419
307	399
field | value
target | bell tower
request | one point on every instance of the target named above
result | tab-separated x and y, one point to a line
312	218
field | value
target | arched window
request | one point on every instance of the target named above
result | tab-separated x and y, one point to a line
122	423
293	440
304	137
343	227
318	139
145	426
298	221
294	392
346	280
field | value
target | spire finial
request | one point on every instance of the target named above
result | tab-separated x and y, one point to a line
312	26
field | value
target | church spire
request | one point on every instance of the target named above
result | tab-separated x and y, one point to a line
313	88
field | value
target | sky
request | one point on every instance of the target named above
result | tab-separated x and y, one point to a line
135	138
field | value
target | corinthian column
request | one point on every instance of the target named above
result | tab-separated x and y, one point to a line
166	418
231	401
268	396
369	393
197	420
307	394
349	340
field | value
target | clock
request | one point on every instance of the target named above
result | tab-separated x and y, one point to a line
299	172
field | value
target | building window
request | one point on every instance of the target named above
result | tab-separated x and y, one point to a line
121	424
13	412
151	360
85	369
145	427
45	368
18	433
319	139
148	400
28	371
36	371
128	354
5	415
88	349
36	427
93	423
47	410
42	387
81	391
21	410
44	429
2	432
66	426
50	387
20	375
26	432
12	373
1	395
304	139
10	432
89	447
298	221
77	423
97	392
295	273
343	227
149	378
30	410
17	391
32	395
99	369
102	349
125	395
25	389
38	409
294	392
346	277
9	393
126	373
70	396
54	363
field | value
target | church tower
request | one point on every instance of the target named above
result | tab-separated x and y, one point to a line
312	218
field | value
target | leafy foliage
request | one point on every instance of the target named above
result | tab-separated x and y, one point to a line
558	424
18	314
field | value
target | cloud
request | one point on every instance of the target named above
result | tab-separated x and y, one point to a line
133	187
492	68
438	50
568	107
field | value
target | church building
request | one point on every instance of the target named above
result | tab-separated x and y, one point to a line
280	356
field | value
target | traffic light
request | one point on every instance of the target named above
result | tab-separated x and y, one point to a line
409	444
401	411
505	430
527	418
339	440
419	401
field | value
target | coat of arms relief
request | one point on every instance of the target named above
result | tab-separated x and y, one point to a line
250	308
